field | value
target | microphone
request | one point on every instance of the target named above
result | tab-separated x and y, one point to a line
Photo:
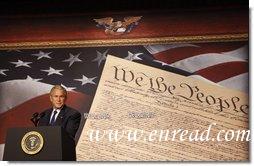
36	117
41	115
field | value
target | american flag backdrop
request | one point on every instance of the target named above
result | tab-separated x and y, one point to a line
26	76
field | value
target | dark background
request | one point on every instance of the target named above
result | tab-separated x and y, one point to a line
38	7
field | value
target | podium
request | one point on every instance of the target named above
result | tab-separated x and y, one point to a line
51	142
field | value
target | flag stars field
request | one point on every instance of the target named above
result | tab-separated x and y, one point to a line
21	64
51	71
68	88
85	80
42	54
100	57
72	59
132	56
32	79
2	71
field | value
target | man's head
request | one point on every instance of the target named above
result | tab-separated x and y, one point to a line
58	96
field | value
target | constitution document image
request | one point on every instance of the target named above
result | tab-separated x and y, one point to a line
141	113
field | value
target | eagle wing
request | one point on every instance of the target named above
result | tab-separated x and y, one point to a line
104	21
130	20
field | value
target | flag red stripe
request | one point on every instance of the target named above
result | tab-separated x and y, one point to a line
20	115
223	71
177	54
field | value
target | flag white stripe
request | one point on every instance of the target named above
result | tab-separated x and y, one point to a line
239	82
154	49
16	92
1	151
241	53
202	79
203	61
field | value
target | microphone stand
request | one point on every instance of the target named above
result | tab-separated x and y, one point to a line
35	119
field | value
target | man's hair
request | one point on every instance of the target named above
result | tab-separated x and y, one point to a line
60	88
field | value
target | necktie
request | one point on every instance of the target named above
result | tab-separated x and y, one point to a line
53	118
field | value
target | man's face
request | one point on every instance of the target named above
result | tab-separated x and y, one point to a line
57	98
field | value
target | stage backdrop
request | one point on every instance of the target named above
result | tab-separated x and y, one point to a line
26	76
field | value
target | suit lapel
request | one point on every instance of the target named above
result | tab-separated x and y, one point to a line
47	117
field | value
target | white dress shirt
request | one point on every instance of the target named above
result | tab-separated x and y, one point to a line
52	113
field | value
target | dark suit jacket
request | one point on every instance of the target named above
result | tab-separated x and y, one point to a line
68	118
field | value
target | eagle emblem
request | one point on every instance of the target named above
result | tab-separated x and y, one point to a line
117	27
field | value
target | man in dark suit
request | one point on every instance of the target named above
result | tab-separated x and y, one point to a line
60	114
